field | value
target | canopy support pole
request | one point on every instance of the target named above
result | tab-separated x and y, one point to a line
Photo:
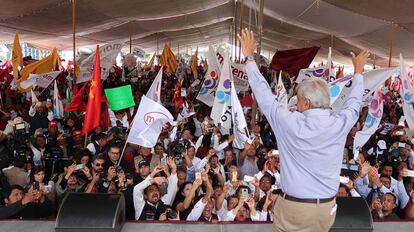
391	43
259	48
74	41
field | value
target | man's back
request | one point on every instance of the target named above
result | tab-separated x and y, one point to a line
312	145
16	176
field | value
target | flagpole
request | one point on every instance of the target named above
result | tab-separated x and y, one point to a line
130	37
235	30
259	44
391	43
126	143
74	40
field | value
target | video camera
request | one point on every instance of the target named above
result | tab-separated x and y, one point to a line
119	132
20	139
177	148
349	169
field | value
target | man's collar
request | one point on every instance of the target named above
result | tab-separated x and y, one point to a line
317	112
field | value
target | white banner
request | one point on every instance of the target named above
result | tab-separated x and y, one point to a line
57	103
336	87
221	111
42	80
406	92
281	93
108	54
211	79
154	91
239	122
372	80
372	122
148	112
238	71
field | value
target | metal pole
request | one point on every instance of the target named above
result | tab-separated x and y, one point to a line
74	40
241	25
259	44
235	30
391	43
130	36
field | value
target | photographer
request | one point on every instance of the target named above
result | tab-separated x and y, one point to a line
145	154
208	140
38	148
69	181
118	117
112	158
148	201
96	172
383	208
17	175
16	200
98	143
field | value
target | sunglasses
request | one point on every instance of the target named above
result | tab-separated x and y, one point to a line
99	165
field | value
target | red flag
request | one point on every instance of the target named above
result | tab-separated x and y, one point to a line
77	103
292	61
177	99
93	107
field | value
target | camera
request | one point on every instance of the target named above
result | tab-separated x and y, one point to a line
119	132
20	138
171	214
177	148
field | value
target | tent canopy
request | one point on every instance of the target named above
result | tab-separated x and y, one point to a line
347	25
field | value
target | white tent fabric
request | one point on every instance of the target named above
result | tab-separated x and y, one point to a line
350	25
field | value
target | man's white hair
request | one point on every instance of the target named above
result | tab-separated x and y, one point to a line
316	90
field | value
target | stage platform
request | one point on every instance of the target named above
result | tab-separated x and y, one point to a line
49	226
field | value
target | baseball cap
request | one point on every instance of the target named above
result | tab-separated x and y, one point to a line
142	163
76	132
52	123
382	145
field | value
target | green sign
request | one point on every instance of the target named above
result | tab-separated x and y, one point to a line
120	98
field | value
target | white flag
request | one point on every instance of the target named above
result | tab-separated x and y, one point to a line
211	79
57	103
406	92
108	54
239	122
154	92
148	112
371	122
281	91
33	95
372	80
42	80
324	72
336	87
221	111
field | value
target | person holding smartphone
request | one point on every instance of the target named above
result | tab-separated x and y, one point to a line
312	137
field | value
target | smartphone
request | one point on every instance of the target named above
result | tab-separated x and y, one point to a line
79	166
234	177
244	193
163	161
248	179
410	173
399	133
343	179
36	185
401	144
198	175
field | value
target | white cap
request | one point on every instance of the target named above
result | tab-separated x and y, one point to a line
382	145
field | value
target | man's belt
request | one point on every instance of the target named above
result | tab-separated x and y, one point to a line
307	200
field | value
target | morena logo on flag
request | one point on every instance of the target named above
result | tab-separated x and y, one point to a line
151	116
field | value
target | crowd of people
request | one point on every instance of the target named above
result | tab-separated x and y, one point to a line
193	174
